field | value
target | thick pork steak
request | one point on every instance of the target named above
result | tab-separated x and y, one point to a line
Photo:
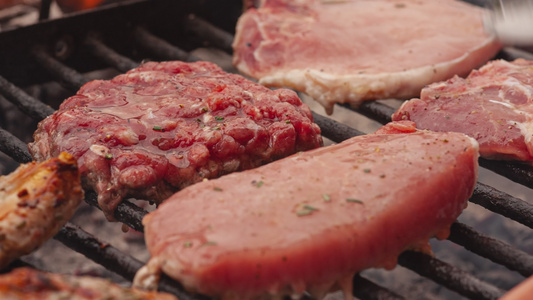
163	126
494	105
349	51
312	220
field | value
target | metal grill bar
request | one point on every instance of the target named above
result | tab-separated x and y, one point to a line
160	47
108	55
504	204
449	276
366	289
29	105
515	171
68	77
12	146
214	35
491	248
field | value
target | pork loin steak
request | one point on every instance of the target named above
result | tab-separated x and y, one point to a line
494	105
312	220
164	126
349	51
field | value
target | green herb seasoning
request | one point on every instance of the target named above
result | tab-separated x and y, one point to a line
187	244
216	128
204	109
367	170
216	188
108	156
259	184
354	200
157	128
326	197
219	118
288	121
306	210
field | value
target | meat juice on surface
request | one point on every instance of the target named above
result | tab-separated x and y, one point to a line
349	51
164	126
494	105
308	222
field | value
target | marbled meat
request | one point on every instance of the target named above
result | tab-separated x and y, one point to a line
30	284
36	200
353	50
164	126
494	105
308	222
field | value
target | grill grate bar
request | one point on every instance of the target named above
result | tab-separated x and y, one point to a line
214	35
160	47
29	105
366	289
126	212
68	77
449	276
491	248
504	204
374	110
334	130
515	171
108	55
15	148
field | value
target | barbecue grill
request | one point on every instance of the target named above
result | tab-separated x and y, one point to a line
117	37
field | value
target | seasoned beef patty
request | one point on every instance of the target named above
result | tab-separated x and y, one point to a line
164	126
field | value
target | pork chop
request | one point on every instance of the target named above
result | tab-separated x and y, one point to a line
36	200
163	126
494	105
30	284
353	50
312	220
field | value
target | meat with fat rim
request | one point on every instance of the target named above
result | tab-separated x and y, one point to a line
494	105
349	51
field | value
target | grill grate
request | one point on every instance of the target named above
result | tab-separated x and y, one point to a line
63	59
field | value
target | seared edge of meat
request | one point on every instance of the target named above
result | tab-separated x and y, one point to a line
36	200
30	284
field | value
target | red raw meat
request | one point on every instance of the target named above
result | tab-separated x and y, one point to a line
312	220
164	126
494	105
349	51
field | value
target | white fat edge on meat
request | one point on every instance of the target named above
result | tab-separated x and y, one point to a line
99	150
329	88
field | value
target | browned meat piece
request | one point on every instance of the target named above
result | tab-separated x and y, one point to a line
35	201
164	126
29	284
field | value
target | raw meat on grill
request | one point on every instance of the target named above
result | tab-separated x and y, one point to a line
36	200
494	105
30	284
523	291
164	126
349	51
312	220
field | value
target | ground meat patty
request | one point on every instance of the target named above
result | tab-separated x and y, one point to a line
164	126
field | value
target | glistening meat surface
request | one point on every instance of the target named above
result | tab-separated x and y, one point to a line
164	126
36	200
494	105
312	220
349	51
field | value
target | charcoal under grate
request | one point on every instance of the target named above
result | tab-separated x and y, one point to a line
118	37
